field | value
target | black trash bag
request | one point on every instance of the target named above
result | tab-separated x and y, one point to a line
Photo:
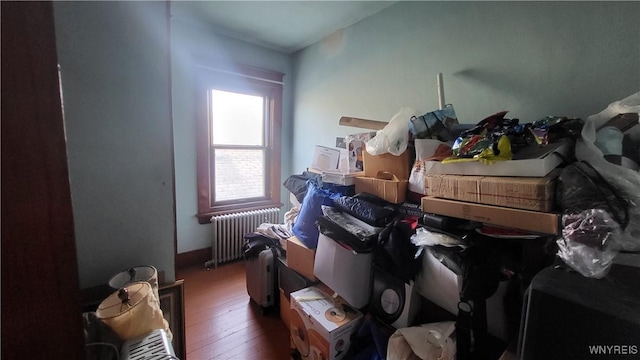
368	212
349	238
581	187
396	254
374	199
481	276
481	273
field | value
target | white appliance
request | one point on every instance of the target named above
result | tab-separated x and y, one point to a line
392	300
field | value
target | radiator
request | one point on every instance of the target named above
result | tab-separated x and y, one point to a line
229	230
154	346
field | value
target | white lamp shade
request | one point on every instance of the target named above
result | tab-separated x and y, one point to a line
146	273
135	317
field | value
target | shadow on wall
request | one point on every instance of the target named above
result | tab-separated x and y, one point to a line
511	82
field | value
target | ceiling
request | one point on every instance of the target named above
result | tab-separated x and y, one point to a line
285	26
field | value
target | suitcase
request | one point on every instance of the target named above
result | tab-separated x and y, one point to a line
262	274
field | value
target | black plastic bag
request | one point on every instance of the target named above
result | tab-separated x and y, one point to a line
372	214
396	254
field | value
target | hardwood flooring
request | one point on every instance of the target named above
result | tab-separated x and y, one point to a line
222	323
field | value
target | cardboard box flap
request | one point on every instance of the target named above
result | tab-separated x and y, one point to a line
397	165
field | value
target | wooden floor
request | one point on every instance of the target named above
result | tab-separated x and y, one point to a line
221	322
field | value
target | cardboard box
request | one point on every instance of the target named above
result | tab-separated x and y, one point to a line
540	222
535	162
529	193
397	165
386	186
300	258
285	309
289	280
321	326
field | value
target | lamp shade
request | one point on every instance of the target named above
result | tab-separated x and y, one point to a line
132	311
146	273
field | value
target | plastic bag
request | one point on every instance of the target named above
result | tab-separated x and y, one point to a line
435	124
581	187
305	228
394	137
480	148
396	254
372	214
351	224
427	342
625	181
426	150
424	237
588	243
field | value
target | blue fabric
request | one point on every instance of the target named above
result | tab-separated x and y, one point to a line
344	190
369	342
305	228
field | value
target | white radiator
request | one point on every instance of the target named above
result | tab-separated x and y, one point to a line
229	230
154	346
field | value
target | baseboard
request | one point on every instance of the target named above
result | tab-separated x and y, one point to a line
192	258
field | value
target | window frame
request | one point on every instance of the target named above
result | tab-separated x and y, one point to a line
247	80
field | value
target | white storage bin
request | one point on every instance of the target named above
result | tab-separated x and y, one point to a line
341	178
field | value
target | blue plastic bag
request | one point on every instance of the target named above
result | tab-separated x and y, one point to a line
305	228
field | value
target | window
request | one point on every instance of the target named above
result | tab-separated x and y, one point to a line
238	140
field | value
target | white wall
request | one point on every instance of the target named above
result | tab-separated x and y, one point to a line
114	59
531	58
192	41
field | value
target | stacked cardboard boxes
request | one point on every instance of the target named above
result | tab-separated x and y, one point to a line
526	193
524	203
320	324
385	176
